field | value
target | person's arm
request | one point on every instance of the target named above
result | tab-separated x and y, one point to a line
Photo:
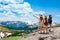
35	16
43	20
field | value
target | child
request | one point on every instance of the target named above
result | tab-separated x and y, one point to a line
40	23
50	21
45	24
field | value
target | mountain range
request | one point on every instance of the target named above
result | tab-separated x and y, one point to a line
16	24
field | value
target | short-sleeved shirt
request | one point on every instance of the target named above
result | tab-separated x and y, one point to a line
50	20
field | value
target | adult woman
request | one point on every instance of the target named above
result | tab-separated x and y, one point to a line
40	22
45	24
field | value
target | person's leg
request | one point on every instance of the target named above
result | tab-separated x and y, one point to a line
46	28
50	27
40	29
50	24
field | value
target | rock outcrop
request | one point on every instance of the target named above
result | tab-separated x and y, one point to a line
55	35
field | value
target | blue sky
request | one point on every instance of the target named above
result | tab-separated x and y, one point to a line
23	10
49	6
44	4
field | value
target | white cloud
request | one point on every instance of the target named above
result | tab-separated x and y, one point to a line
38	13
16	11
42	12
10	12
11	1
9	16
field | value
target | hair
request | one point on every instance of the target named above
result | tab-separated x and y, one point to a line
41	18
40	15
45	17
46	22
50	15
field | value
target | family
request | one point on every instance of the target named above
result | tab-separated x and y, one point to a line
44	22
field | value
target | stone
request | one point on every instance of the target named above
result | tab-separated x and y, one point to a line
55	35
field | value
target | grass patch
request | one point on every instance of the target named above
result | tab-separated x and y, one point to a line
12	38
16	34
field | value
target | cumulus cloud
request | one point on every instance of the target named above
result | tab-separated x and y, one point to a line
17	10
38	13
14	10
42	12
9	16
10	1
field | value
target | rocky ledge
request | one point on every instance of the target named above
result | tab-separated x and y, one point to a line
55	35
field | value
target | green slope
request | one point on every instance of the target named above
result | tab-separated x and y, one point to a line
3	28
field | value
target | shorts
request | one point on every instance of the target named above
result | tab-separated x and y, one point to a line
50	22
40	24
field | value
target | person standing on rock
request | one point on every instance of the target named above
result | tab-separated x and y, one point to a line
40	23
45	20
50	22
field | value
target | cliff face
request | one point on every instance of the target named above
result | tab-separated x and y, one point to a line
55	35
